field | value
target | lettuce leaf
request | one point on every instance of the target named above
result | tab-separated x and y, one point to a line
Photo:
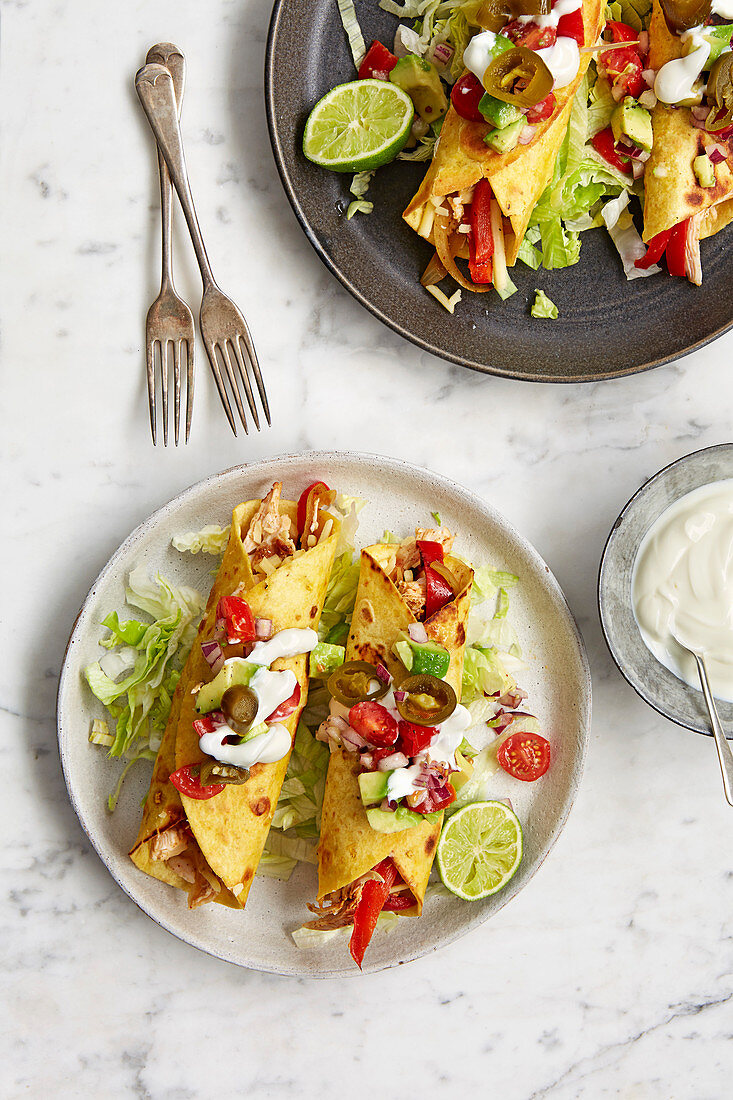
340	597
543	307
211	539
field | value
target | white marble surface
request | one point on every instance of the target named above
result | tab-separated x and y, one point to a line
612	974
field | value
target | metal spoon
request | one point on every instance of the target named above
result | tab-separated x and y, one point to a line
725	755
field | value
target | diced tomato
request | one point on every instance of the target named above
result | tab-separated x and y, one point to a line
526	756
238	617
190	785
303	502
571	26
396	902
378	63
286	708
374	723
381	754
623	67
675	251
414	739
370	904
466	95
541	110
655	250
481	243
437	592
210	722
530	35
605	144
430	551
620	32
436	800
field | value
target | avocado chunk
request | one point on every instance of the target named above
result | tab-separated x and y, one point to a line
235	671
506	139
719	39
420	80
373	787
389	821
497	113
421	658
704	170
631	121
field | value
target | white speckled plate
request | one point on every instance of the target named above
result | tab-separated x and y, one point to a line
400	496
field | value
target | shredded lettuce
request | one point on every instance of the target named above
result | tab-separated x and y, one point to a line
347	11
543	306
299	805
211	539
339	603
314	937
359	187
626	237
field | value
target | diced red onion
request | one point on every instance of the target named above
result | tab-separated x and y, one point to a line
527	134
396	760
384	674
637	168
512	699
263	628
367	761
352	739
387	805
400	695
700	111
699	123
219	630
617	92
213	654
716	153
649	76
643	42
505	802
418	633
442	53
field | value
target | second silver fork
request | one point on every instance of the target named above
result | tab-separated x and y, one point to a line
224	330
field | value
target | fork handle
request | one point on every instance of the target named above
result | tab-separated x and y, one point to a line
154	86
168	55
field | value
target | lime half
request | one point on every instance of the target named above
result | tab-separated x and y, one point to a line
479	850
358	126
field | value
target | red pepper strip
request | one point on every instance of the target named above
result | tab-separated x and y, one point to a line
571	26
190	785
675	252
431	551
369	906
482	240
303	502
395	902
605	144
437	592
240	622
378	63
655	250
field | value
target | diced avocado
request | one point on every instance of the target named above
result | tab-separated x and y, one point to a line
704	170
503	141
420	80
373	787
719	39
422	657
633	122
496	112
326	658
235	671
403	649
394	821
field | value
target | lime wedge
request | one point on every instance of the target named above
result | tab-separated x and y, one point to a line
479	850
358	126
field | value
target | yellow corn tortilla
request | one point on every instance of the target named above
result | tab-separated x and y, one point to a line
230	829
349	847
517	178
672	192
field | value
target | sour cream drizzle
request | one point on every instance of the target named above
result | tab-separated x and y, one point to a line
683	581
675	81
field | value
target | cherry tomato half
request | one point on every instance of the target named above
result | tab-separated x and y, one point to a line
530	35
286	708
526	756
541	110
374	723
466	95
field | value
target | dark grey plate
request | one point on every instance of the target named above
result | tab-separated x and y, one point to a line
607	327
655	683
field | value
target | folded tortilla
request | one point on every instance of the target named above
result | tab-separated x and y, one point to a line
517	178
230	829
672	192
349	847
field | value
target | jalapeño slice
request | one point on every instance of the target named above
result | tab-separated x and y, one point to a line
212	771
239	706
518	76
720	91
682	15
427	700
350	684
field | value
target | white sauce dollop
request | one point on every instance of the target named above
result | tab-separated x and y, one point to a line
477	54
266	748
675	81
286	643
723	8
563	60
683	580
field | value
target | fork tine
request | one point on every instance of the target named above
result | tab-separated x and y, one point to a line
236	355
189	386
176	387
246	338
211	353
164	387
150	367
229	367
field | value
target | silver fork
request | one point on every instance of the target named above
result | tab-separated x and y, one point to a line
169	324
223	328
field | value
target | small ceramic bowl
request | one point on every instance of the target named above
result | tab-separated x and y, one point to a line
653	682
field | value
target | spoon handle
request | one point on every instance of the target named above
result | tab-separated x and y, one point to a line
725	755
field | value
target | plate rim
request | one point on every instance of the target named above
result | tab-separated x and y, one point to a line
613	535
447	356
458	492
